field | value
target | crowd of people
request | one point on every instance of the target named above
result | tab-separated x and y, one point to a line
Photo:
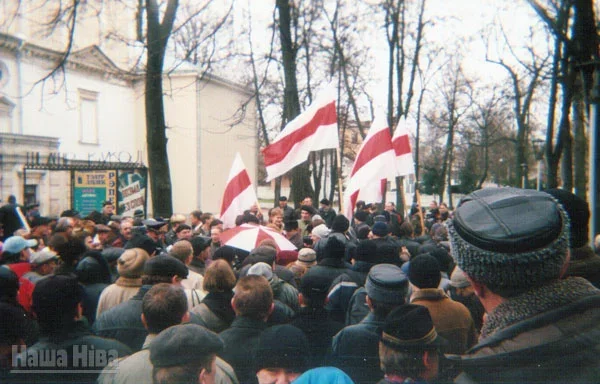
502	289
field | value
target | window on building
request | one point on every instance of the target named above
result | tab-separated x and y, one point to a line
31	194
88	117
6	112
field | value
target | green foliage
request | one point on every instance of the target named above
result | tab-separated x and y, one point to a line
431	181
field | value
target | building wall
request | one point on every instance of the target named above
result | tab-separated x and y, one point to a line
221	137
51	121
108	24
201	141
182	133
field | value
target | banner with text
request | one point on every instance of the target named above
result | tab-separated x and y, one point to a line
132	193
92	188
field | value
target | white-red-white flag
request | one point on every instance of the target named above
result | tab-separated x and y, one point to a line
405	164
313	130
373	163
239	193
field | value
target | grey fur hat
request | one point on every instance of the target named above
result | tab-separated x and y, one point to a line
509	239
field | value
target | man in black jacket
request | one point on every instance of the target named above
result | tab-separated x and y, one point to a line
252	303
513	245
355	348
66	341
123	322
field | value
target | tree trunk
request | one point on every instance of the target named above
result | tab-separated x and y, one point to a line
301	185
580	149
156	139
566	166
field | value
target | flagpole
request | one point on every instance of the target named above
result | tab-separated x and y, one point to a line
339	174
420	211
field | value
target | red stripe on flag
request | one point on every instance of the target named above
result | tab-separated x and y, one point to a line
379	143
353	198
278	150
234	187
401	145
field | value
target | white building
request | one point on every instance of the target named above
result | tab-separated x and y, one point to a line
94	111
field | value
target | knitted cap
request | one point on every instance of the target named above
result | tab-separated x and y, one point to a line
509	239
320	231
307	256
131	263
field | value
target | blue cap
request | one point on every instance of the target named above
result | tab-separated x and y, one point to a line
16	244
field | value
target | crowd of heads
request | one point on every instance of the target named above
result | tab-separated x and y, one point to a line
378	295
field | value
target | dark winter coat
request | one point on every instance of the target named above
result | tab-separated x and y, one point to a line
319	331
78	343
356	350
123	322
550	334
241	342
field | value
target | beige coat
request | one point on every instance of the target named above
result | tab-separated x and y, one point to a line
452	320
122	290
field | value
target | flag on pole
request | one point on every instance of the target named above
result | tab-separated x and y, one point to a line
313	130
239	193
373	162
405	164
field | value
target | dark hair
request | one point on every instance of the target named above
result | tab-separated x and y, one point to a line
55	300
154	279
219	277
69	251
182	227
250	218
163	306
406	229
197	214
10	257
205	216
226	253
380	309
253	297
214	223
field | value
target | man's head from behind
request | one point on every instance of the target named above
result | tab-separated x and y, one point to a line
163	306
185	353
387	287
182	251
164	269
282	354
56	302
424	272
509	240
409	344
253	298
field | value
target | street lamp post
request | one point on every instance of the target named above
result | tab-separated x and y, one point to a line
538	148
524	176
594	157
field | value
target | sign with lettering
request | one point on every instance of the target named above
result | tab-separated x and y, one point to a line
92	188
131	192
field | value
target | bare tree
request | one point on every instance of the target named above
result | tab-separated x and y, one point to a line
525	78
454	100
576	43
301	186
